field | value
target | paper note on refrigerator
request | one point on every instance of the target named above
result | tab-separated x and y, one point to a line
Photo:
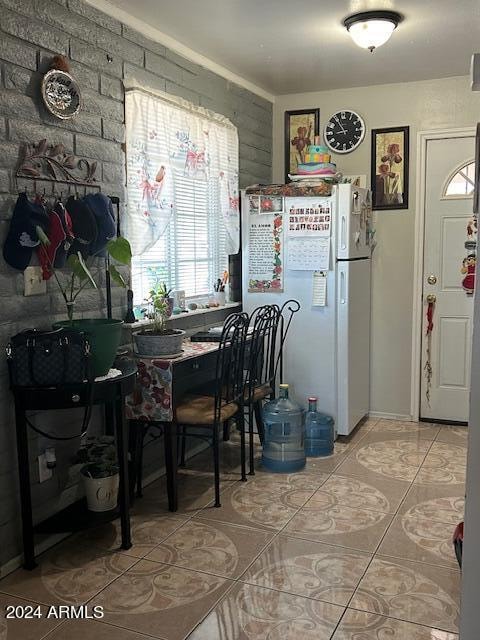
319	297
308	254
309	218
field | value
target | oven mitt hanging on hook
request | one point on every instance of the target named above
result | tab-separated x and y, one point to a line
102	209
22	236
56	235
83	224
62	251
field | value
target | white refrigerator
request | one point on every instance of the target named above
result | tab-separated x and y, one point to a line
327	352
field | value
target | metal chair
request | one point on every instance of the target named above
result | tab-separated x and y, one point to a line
228	402
260	377
270	325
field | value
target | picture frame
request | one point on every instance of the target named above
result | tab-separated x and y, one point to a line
390	168
302	126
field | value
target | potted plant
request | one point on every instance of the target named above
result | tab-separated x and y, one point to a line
104	334
158	340
100	472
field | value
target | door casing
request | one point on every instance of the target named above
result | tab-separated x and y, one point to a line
417	308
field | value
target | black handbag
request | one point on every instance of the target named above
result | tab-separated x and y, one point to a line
48	358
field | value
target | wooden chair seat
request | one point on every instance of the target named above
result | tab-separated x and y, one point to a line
201	410
259	393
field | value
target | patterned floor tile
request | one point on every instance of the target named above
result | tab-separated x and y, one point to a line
453	434
420	539
253	613
368	423
160	600
20	627
70	573
147	532
444	464
90	629
422	430
410	591
214	547
438	503
389	457
195	491
360	625
309	569
230	463
323	519
266	501
367	492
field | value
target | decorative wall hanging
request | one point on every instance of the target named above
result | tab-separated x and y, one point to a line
468	269
300	129
265	253
60	91
469	263
428	369
53	162
389	168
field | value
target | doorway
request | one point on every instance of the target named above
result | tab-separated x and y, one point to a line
446	351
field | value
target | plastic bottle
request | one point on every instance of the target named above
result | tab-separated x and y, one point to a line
319	431
284	443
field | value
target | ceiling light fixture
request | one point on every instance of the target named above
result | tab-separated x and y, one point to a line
370	29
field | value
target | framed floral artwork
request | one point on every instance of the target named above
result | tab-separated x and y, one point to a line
389	168
300	129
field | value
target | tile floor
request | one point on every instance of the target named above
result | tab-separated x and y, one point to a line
355	547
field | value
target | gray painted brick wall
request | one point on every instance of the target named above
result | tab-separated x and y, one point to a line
102	51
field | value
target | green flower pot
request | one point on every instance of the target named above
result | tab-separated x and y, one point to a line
104	336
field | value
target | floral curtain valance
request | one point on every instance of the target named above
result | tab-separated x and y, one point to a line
167	141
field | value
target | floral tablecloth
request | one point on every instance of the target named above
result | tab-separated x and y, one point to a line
152	397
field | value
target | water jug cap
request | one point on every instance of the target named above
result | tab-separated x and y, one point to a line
312	399
283	385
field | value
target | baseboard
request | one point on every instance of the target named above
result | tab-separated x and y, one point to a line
390	416
44	545
51	541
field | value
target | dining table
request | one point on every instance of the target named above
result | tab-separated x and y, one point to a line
162	381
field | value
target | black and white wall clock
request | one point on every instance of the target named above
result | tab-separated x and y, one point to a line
344	131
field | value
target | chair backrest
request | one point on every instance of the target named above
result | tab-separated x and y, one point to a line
286	313
264	323
230	360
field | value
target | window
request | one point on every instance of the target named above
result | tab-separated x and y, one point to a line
462	183
182	185
192	252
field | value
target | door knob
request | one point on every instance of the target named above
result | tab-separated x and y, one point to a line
431	298
432	279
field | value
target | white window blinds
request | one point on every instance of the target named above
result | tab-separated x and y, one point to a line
182	184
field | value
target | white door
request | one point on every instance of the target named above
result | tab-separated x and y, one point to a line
448	209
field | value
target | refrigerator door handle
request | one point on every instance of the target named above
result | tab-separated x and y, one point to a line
343	232
343	297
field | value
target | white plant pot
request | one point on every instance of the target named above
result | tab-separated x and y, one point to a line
101	493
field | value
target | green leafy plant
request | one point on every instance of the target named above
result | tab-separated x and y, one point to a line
158	299
98	454
80	277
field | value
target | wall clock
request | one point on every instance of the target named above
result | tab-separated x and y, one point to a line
344	131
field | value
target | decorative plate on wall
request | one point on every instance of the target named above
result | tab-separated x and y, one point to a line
61	94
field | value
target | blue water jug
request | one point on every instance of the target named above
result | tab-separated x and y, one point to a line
319	432
284	443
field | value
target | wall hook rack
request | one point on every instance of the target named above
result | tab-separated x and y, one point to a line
53	162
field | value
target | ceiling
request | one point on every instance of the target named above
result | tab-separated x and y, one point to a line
293	46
